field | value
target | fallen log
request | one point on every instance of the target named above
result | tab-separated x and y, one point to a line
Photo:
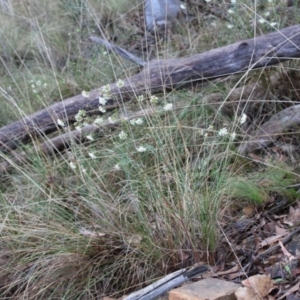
269	131
158	76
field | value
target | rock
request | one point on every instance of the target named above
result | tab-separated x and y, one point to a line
206	289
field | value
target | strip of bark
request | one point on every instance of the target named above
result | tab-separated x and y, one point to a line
158	76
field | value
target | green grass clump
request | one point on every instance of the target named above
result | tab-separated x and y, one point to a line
145	197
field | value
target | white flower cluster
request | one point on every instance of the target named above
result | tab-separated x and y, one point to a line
98	121
85	94
80	116
60	123
223	132
141	149
106	93
168	106
120	83
37	85
140	98
138	121
123	135
153	99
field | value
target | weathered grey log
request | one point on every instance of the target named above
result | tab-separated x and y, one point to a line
160	75
269	131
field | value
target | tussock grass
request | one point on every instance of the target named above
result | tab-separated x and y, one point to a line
107	217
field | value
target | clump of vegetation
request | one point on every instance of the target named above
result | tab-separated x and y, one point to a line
147	197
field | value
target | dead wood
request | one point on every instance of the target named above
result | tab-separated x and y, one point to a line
270	130
158	76
64	141
167	283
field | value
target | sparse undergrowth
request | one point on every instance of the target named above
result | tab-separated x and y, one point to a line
107	217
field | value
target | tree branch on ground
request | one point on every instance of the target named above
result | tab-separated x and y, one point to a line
159	76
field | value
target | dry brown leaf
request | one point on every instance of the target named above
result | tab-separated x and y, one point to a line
248	210
280	230
256	287
294	217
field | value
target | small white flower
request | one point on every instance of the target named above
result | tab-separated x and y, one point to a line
140	98
210	127
153	99
102	101
168	106
182	6
106	88
111	120
79	128
45	85
79	117
90	137
83	170
117	167
207	0
206	134
243	118
233	136
92	155
102	109
38	83
141	149
230	26
261	21
98	121
106	91
60	123
137	121
85	94
273	24
233	1
223	132
267	13
72	165
230	11
123	135
120	83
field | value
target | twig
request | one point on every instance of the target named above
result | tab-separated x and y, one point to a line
119	50
276	247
